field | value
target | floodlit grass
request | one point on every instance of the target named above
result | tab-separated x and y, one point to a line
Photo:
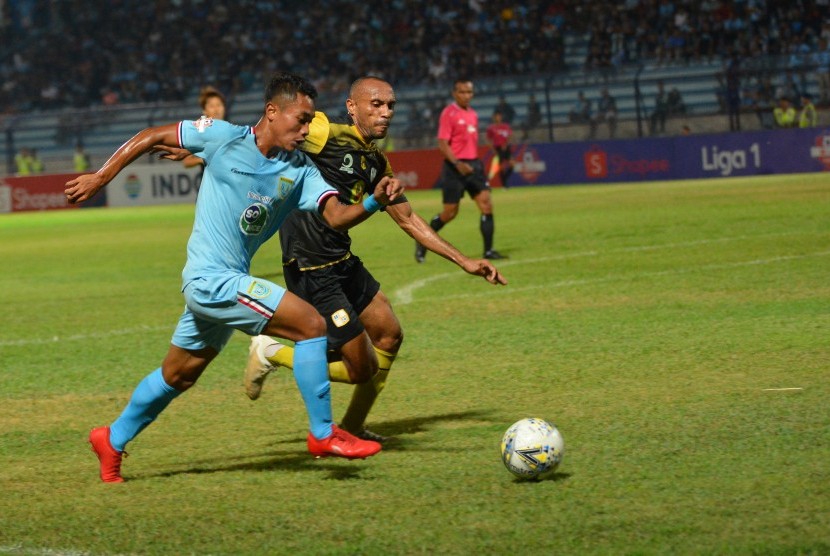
676	333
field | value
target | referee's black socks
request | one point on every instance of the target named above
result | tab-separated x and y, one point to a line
436	223
487	228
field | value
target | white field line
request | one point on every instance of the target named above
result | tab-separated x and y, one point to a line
40	551
82	337
782	389
405	295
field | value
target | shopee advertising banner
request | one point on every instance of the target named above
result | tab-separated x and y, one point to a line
782	151
41	192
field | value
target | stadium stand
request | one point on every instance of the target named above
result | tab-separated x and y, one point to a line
132	64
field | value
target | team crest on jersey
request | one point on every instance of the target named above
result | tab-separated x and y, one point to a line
253	219
340	318
258	290
284	186
203	123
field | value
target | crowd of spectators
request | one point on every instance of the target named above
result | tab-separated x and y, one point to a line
679	31
76	53
56	53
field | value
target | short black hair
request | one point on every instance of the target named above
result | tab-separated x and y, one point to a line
286	85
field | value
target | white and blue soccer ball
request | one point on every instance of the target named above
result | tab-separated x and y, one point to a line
532	448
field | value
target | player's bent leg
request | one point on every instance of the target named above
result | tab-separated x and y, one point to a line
359	358
262	359
297	320
179	371
386	335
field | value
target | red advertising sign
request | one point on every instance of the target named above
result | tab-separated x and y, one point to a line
417	169
43	192
596	163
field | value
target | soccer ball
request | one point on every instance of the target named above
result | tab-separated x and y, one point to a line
532	448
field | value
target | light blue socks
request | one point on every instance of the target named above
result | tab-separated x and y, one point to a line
149	399
311	371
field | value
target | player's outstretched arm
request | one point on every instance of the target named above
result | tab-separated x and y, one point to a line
421	232
342	217
86	186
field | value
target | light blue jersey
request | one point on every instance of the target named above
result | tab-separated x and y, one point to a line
243	200
244	197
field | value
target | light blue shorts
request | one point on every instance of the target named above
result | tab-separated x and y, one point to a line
215	306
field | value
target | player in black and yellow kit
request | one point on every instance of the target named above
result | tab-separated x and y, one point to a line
321	268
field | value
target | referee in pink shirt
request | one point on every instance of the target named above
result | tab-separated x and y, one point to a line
462	170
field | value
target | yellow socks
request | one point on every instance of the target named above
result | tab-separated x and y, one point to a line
285	358
364	395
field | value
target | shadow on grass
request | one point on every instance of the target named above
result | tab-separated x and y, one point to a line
294	462
394	430
555	477
302	461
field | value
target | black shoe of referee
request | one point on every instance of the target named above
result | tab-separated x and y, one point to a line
420	252
492	254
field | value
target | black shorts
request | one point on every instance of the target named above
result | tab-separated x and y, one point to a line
453	184
503	153
339	292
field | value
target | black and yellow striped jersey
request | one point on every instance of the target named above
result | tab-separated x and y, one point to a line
351	165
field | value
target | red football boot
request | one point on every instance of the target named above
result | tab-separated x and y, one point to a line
342	444
109	457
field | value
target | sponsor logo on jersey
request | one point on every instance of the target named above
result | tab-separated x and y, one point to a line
203	123
348	164
253	219
340	318
261	198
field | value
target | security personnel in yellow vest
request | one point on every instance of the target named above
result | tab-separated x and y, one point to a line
35	163
80	160
808	116
23	162
784	113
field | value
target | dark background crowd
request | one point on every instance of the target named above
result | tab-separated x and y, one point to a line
667	31
78	53
56	53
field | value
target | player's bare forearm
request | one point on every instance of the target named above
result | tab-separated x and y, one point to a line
342	217
417	228
86	186
421	232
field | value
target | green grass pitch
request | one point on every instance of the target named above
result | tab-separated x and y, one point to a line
678	334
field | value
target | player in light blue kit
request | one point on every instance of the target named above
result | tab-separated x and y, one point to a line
253	178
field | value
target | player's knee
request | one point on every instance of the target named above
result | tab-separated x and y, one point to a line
390	341
180	377
449	214
363	370
313	327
